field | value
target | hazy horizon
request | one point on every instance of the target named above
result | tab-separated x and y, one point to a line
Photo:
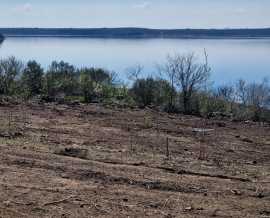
158	14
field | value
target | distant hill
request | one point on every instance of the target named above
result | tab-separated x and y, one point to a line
135	33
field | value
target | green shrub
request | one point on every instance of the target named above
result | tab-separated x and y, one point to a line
149	91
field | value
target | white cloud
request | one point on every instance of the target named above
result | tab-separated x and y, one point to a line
142	5
24	8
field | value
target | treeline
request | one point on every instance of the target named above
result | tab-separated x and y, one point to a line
1	38
137	32
181	87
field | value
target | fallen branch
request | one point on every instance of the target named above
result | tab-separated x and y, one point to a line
185	172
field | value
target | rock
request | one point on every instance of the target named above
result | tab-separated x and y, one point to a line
74	103
236	192
221	124
219	115
73	152
188	209
230	150
247	140
11	134
260	195
18	134
201	130
6	203
4	135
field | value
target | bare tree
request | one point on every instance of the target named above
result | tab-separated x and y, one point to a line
241	91
258	97
227	94
169	72
114	78
134	72
10	71
189	75
254	95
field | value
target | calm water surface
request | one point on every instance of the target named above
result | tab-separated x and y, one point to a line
230	59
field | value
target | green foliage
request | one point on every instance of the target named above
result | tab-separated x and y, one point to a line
95	84
73	99
61	79
87	86
213	104
62	82
99	76
143	91
10	70
190	76
149	91
32	78
256	98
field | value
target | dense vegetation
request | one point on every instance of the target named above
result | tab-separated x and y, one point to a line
137	32
182	87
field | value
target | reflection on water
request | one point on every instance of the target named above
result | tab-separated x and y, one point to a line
230	59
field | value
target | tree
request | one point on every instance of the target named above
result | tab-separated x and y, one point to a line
32	78
134	72
87	85
255	96
143	91
241	91
99	76
149	91
96	83
258	97
226	93
168	72
189	74
61	78
163	92
10	70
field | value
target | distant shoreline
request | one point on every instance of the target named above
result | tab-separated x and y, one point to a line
131	38
137	33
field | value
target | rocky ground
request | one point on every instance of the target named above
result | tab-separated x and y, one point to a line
97	161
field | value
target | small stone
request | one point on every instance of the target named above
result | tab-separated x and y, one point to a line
6	203
188	208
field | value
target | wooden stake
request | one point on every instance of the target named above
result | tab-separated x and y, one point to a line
167	148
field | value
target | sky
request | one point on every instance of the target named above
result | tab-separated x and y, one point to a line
135	13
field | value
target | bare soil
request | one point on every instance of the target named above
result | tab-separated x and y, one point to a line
97	161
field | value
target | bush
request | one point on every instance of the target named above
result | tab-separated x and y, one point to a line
63	82
149	91
32	79
95	84
61	79
10	72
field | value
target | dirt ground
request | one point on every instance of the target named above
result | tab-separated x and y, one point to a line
96	161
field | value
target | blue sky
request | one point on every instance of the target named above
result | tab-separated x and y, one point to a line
135	13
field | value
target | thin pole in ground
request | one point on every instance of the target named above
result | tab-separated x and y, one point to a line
167	148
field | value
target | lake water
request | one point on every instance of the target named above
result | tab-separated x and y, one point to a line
230	59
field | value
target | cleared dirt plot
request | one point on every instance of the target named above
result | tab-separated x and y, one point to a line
97	161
